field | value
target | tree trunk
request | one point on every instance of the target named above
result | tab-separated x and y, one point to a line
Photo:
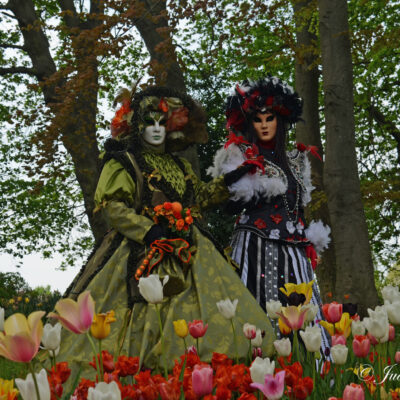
308	132
354	272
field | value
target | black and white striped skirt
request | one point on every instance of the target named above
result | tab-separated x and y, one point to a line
265	266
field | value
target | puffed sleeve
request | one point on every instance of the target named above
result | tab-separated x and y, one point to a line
115	194
210	194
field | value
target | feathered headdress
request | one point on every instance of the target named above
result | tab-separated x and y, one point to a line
267	94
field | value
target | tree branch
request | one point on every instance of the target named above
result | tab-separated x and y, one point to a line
18	70
12	46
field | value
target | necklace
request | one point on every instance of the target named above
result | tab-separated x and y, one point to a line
295	210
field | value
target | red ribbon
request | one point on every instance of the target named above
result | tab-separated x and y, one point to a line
312	149
163	246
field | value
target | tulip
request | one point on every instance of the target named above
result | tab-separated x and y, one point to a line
249	331
76	316
261	367
378	323
283	347
197	328
273	307
397	357
21	338
392	333
393	312
152	289
361	346
257	341
100	327
357	328
333	312
391	294
312	310
312	338
343	326
373	340
273	386
105	391
1	319
27	386
192	350
353	392
7	391
181	328
51	338
302	288
293	316
285	330
339	354
338	339
202	380
227	308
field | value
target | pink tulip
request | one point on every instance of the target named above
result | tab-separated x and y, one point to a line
353	392
397	357
333	312
361	346
273	386
372	339
77	317
202	380
392	333
21	338
293	316
338	339
197	328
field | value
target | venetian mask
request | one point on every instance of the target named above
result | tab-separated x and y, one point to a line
154	132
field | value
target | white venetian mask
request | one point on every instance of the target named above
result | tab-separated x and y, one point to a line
154	133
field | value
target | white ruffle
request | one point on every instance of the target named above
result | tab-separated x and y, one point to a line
306	172
318	234
251	185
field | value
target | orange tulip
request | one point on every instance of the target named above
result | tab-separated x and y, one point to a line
21	338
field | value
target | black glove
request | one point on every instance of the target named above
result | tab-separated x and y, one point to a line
154	233
236	174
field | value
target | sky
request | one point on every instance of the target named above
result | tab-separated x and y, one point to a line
39	272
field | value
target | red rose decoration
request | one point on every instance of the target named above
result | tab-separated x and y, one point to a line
260	223
277	218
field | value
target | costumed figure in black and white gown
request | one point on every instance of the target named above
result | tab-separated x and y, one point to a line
272	244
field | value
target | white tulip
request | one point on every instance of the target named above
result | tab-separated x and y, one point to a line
312	310
105	391
312	338
257	341
152	289
27	389
273	307
1	319
227	308
261	367
391	293
378	323
339	354
393	312
357	328
249	330
51	338
283	347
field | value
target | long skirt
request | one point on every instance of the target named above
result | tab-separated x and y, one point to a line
266	265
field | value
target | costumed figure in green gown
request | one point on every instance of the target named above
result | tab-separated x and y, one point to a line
141	177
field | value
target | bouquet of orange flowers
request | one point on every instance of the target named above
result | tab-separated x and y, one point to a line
175	216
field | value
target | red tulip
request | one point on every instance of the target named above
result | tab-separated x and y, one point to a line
333	312
372	339
392	333
197	328
361	345
397	357
353	392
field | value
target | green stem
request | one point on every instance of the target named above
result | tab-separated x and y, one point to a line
162	342
95	355
53	358
101	360
184	343
235	341
337	388
296	346
197	345
249	355
34	380
313	373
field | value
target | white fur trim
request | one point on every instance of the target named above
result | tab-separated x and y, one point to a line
251	185
318	234
306	172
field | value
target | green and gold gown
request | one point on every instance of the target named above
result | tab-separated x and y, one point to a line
131	180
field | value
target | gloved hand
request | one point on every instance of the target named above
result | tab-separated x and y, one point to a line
312	255
233	176
155	232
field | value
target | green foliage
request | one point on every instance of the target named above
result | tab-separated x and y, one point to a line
11	370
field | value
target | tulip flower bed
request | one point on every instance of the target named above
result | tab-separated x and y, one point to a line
364	358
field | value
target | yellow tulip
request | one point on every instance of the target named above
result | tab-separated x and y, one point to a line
100	328
7	391
19	298
285	330
11	301
342	327
302	288
181	328
27	300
